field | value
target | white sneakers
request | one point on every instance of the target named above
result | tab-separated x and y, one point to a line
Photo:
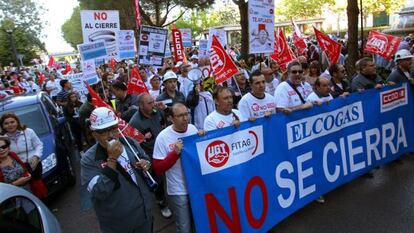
166	212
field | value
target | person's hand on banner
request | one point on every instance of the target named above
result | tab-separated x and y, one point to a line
201	133
307	105
345	94
268	114
391	83
252	119
178	146
236	123
379	86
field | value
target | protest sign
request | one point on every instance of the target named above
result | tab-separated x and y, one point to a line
282	54
222	65
168	52
382	44
152	45
220	34
78	84
101	25
250	178
91	51
126	44
89	72
202	49
261	26
186	36
329	46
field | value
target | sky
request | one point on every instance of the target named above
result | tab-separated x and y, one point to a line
58	12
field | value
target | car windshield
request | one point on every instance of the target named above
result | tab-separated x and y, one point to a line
32	116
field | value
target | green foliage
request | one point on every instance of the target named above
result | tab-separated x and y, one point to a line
71	29
22	17
288	9
201	20
377	6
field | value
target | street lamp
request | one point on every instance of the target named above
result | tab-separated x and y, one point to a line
13	46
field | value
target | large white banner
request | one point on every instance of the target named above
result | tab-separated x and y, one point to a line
261	26
101	25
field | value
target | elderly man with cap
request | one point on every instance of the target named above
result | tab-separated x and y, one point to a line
113	177
170	95
402	73
155	82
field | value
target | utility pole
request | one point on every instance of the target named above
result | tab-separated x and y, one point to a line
13	46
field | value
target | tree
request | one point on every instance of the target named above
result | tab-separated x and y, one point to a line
244	21
377	6
21	18
352	44
288	9
71	29
200	20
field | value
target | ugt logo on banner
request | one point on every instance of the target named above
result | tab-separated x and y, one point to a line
221	63
382	44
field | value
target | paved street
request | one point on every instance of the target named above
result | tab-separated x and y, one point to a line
383	204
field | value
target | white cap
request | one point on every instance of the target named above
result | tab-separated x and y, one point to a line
169	75
403	54
102	118
194	57
178	64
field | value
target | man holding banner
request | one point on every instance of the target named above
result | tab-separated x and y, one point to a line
402	73
166	159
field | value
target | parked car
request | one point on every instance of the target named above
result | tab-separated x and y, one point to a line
41	114
22	212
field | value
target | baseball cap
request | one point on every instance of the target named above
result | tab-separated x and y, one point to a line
169	75
194	57
403	54
102	118
178	64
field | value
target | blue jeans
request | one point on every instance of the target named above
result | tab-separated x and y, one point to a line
180	205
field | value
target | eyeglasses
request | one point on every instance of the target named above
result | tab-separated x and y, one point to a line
112	129
296	71
182	115
5	146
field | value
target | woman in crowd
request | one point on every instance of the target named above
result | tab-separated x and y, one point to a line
14	171
23	141
314	73
71	112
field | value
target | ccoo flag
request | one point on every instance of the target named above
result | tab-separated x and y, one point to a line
220	62
135	84
329	46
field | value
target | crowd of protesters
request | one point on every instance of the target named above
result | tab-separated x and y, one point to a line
175	106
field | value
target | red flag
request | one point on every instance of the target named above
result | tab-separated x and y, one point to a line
298	39
382	44
329	46
51	61
221	63
136	84
68	68
123	126
283	54
179	53
96	100
137	14
112	63
42	78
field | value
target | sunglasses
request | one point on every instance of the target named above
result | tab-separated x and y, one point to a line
3	147
296	71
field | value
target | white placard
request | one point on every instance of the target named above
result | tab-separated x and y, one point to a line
261	26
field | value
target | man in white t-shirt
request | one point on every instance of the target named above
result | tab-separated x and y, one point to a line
321	93
53	86
166	159
224	115
257	103
288	96
271	82
186	85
